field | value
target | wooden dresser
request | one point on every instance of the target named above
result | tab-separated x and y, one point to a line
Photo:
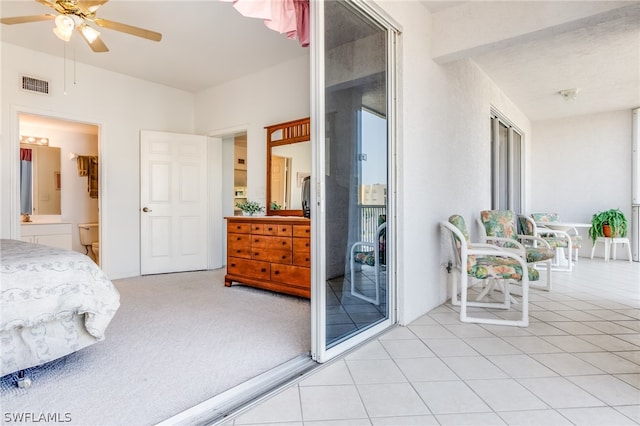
270	252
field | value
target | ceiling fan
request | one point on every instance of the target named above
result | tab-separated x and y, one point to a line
78	14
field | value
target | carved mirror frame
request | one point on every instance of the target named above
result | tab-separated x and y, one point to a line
284	134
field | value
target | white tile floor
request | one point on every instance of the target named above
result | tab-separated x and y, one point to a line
577	363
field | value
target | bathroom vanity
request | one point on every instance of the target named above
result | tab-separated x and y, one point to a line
48	234
270	252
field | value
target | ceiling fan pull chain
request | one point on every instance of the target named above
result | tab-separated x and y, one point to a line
64	68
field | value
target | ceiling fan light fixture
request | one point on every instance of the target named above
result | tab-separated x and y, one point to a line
64	27
62	35
90	34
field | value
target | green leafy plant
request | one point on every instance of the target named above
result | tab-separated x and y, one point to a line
250	207
614	218
275	206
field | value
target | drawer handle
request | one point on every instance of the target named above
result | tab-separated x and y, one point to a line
233	265
284	257
264	270
238	238
238	251
256	254
284	229
277	272
270	229
306	245
284	243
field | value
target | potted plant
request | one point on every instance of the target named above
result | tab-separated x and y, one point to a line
250	208
609	223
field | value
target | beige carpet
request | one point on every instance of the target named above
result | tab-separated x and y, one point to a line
177	340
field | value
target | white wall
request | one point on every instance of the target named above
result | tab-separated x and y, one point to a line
122	106
444	154
270	96
582	165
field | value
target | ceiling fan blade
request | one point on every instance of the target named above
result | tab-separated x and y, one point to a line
26	19
47	3
90	5
129	29
96	44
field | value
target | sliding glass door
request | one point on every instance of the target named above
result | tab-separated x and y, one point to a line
353	286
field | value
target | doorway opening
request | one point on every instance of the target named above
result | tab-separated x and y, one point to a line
65	185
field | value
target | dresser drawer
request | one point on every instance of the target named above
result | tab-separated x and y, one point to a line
275	256
239	239
301	245
302	259
257	228
239	228
302	231
249	268
239	248
277	229
269	242
289	274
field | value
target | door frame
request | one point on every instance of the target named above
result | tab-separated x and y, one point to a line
14	171
319	351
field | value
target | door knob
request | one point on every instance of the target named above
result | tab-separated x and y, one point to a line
146	209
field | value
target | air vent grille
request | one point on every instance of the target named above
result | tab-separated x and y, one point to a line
32	84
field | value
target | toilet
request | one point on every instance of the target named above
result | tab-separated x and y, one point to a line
95	248
89	238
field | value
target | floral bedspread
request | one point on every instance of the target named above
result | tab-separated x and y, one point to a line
40	285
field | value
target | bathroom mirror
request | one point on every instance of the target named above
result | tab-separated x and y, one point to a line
288	163
40	180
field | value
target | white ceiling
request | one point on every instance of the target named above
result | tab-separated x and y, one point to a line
206	43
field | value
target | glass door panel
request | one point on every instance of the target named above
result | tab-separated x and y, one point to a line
355	173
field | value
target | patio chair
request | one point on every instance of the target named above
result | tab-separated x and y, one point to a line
558	240
491	266
576	238
499	227
373	254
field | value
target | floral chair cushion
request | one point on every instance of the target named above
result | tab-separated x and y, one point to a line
365	258
368	257
526	227
576	240
490	267
500	268
502	223
545	217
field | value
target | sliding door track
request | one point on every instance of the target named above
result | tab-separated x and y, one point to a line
218	409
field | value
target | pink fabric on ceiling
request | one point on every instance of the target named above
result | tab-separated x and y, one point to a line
302	23
289	17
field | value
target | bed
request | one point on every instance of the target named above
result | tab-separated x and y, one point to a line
53	302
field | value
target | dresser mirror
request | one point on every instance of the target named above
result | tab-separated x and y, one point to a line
288	163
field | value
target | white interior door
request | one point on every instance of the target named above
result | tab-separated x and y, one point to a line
173	202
